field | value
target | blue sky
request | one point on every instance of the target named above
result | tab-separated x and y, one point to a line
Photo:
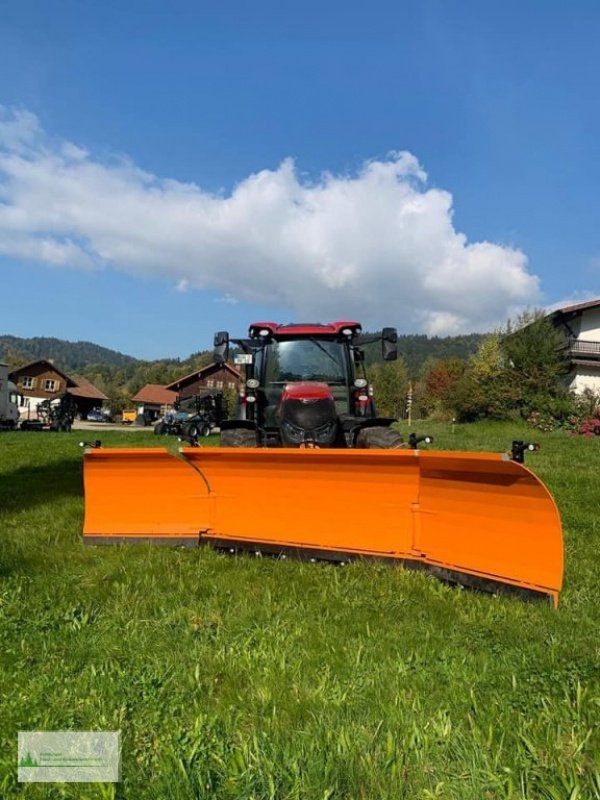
497	103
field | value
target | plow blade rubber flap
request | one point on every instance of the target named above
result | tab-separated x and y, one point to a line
469	516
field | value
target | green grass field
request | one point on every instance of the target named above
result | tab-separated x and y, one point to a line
239	678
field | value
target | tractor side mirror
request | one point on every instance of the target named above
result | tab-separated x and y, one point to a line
221	351
389	344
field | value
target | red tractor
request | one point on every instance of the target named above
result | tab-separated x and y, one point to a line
306	386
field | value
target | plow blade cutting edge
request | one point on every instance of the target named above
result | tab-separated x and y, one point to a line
475	518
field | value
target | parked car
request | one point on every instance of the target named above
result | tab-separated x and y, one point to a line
99	415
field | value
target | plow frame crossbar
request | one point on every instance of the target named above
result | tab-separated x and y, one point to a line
478	519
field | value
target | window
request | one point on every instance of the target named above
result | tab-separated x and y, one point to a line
306	360
219	384
51	385
210	384
231	384
27	383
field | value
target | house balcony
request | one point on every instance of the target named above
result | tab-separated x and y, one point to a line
582	350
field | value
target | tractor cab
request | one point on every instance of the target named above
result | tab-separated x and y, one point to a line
305	384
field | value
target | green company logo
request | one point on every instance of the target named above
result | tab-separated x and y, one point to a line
28	761
69	756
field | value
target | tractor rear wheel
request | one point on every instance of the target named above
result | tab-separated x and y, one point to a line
379	438
161	429
238	437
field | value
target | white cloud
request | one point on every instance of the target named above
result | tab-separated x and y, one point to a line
228	299
378	245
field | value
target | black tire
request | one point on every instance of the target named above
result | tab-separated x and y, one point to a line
238	437
190	429
205	431
379	439
160	429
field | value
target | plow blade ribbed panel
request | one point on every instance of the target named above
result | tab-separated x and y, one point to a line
468	516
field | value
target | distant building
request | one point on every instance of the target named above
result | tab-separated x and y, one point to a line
580	326
210	379
153	401
43	380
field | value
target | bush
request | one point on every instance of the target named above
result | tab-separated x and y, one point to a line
591	425
577	413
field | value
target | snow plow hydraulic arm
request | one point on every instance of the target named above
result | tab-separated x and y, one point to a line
475	518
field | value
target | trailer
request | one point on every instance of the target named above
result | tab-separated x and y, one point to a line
10	400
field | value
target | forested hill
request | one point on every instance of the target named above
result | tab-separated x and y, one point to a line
70	356
114	372
417	349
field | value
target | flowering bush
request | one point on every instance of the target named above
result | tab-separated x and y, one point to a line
578	414
543	422
589	426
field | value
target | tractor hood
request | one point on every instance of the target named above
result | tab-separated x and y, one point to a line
307	415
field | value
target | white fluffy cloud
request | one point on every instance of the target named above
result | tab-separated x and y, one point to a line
378	245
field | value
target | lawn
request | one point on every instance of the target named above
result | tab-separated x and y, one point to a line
237	678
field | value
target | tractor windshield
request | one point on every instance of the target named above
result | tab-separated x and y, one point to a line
307	360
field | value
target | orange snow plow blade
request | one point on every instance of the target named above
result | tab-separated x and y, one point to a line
474	518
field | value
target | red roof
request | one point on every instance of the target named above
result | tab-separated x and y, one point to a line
306	329
577	307
154	393
85	388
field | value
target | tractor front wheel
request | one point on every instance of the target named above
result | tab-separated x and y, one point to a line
379	438
238	437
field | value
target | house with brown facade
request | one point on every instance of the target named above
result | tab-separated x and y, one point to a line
210	379
153	400
43	380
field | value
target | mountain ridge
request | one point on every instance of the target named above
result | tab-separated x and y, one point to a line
90	358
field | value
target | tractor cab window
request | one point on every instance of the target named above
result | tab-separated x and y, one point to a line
306	360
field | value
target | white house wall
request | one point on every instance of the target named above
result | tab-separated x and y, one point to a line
589	329
586	378
29	410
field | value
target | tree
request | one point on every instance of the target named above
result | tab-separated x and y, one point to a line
441	383
487	388
390	384
535	360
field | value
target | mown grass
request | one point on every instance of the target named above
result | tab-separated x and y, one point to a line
238	678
